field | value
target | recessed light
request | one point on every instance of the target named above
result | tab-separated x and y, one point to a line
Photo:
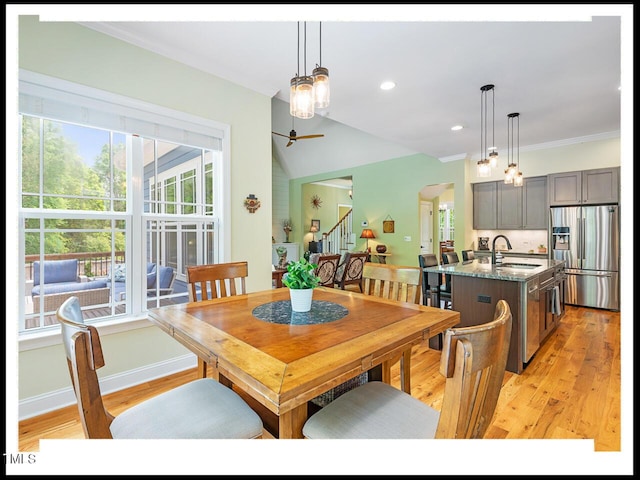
387	85
457	127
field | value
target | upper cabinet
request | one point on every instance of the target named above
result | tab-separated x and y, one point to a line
485	198
596	186
497	205
535	212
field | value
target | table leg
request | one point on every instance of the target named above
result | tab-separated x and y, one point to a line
290	423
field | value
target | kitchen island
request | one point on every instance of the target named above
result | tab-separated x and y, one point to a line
533	287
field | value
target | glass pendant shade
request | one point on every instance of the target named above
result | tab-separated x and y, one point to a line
304	101
483	168
493	159
510	173
321	89
518	180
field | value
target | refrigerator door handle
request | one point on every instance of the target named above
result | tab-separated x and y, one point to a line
587	273
583	253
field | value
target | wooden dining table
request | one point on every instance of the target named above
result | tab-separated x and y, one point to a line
282	359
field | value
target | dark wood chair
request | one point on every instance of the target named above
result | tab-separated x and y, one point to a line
467	255
445	293
216	280
350	270
401	284
199	409
426	260
327	266
473	362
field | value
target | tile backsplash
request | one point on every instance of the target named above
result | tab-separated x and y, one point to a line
521	240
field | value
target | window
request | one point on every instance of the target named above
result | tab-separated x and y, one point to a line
110	216
446	219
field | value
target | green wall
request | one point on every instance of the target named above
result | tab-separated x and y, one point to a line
391	188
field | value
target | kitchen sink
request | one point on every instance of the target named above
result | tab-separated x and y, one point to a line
521	265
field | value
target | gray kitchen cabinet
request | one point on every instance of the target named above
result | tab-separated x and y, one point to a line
509	206
503	206
485	198
587	187
534	204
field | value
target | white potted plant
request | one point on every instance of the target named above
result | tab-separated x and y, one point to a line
301	280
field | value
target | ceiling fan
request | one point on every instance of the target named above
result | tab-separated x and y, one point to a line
293	136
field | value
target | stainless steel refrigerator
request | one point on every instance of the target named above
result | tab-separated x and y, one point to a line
588	239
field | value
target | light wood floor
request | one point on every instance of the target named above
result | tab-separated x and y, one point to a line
570	389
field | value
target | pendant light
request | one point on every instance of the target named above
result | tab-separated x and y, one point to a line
321	91
484	164
301	96
513	174
493	156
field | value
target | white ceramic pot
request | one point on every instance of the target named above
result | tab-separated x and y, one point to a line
301	299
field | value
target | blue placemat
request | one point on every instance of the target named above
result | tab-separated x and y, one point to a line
280	312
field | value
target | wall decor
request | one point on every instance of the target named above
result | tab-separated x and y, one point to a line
316	224
316	202
252	203
388	225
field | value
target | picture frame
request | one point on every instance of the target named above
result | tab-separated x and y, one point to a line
315	223
388	225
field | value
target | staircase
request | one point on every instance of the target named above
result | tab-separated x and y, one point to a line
338	239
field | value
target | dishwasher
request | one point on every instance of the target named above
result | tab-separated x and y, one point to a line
531	324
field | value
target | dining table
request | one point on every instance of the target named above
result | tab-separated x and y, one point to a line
280	359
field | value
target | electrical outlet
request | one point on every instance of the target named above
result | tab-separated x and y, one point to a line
407	238
484	298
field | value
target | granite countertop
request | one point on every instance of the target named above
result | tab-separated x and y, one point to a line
482	268
514	253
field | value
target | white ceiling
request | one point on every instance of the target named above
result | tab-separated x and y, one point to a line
561	76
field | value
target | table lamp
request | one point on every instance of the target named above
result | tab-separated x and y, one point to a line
367	233
313	230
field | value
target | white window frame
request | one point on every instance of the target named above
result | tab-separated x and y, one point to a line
56	99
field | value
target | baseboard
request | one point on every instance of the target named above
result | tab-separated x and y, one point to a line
55	400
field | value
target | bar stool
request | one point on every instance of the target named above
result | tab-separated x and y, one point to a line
427	260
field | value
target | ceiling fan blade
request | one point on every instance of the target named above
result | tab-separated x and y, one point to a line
282	135
290	143
310	136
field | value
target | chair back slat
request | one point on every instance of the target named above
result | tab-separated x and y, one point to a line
473	361
217	280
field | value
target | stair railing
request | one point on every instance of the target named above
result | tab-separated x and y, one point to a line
338	239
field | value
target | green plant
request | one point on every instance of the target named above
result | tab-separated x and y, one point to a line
300	275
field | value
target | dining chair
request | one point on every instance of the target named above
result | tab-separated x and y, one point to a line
200	409
401	284
467	255
327	266
216	280
426	260
473	362
350	269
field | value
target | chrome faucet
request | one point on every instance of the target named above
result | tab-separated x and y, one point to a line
493	247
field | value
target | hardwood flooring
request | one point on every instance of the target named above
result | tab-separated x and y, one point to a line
570	389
